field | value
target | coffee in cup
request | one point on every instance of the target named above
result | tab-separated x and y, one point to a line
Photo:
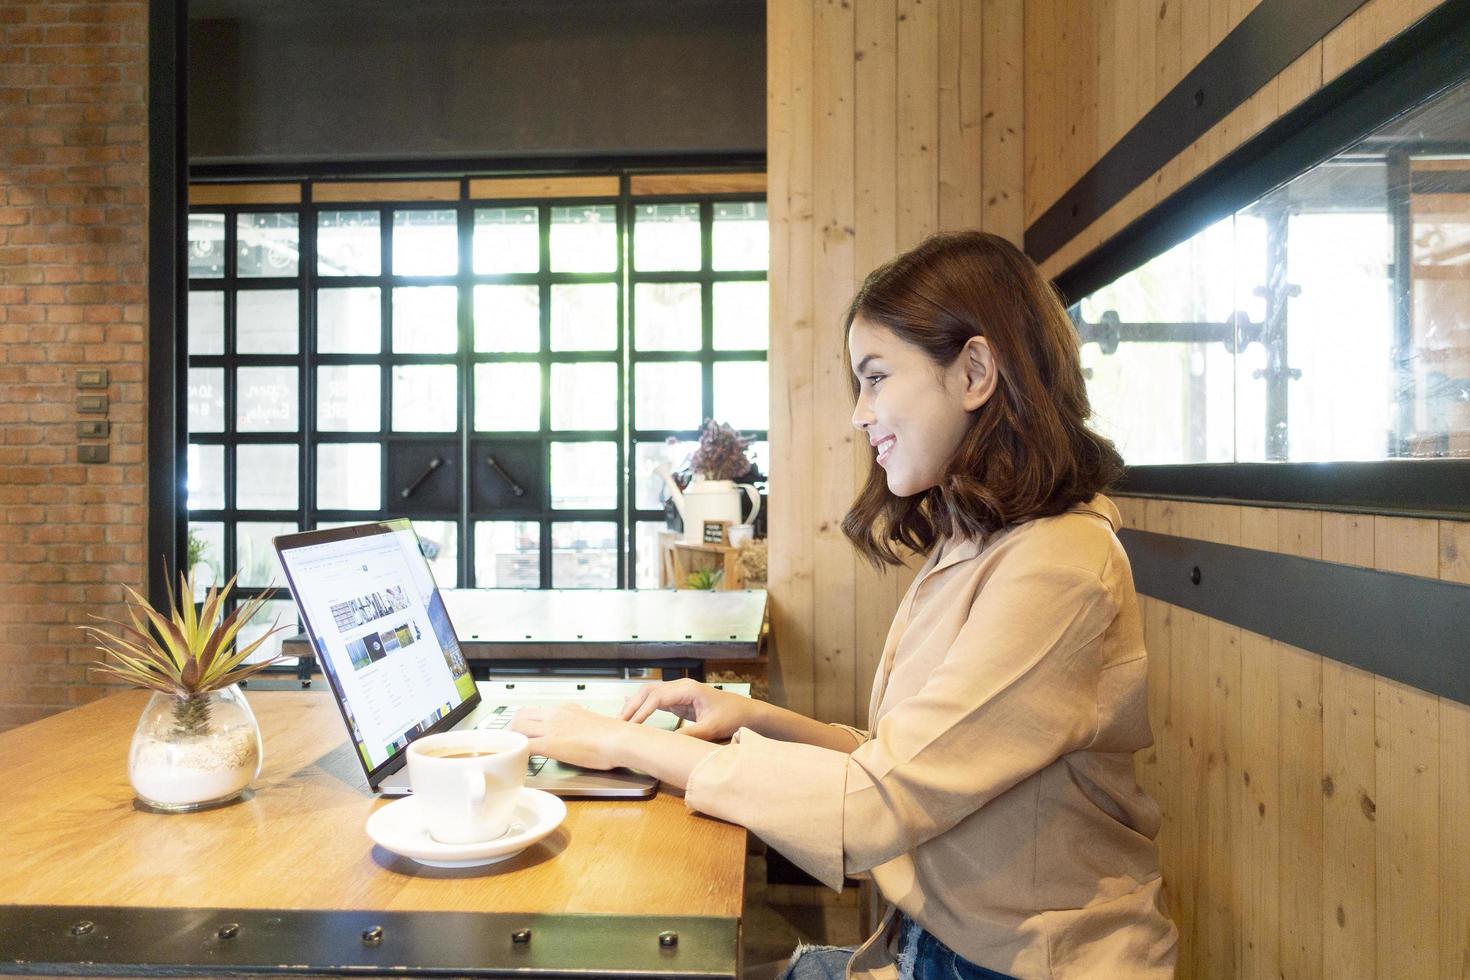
466	782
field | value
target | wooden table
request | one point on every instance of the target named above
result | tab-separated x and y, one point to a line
679	631
92	884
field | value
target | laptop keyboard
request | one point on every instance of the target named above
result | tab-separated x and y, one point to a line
502	719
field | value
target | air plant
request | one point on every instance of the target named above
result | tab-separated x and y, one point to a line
186	654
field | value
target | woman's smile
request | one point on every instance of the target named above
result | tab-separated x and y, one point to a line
884	447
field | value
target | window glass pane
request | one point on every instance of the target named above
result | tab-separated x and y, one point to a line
507	240
206	556
206	246
584	317
439	541
425	320
584	475
508	319
349	243
584	238
646	574
265	477
206	321
268	245
667	395
584	396
742	396
349	321
349	398
206	487
206	400
425	398
742	316
508	397
265	399
265	321
650	490
584	555
349	476
507	555
760	455
259	565
741	238
425	243
1162	398
666	237
272	615
667	316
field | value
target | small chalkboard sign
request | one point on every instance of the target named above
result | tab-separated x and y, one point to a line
716	532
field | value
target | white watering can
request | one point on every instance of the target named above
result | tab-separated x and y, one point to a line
708	500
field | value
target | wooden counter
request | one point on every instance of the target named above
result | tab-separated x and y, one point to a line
76	839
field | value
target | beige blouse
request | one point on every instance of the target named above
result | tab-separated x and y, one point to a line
994	803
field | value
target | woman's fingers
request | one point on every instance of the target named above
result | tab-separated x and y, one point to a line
634	701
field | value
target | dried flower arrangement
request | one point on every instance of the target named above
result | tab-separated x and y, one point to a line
188	653
721	453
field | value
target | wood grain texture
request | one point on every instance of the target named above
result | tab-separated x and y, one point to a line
516	188
878	136
732	183
1342	846
298	841
352	192
207	194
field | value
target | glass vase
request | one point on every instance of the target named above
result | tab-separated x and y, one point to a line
195	752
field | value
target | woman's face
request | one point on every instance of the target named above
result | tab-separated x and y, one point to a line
914	412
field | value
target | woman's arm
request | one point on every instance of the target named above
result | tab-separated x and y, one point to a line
715	715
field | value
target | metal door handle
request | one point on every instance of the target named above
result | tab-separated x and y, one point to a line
434	464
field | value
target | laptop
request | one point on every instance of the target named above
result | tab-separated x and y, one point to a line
383	638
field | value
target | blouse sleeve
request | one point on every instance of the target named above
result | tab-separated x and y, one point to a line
1016	690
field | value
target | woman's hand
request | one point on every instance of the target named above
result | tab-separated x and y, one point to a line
708	713
572	734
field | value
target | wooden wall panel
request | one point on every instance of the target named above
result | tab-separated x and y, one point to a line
888	121
1085	89
1313	813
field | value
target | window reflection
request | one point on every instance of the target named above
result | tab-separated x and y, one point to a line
1325	321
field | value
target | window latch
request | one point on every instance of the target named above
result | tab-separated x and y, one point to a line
434	464
515	487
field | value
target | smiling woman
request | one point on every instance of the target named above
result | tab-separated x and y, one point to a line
968	382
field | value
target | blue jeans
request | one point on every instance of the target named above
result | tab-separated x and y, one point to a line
920	957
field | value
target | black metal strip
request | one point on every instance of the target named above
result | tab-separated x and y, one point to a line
1409	629
1411	487
1267	41
1422	60
480	167
167	291
118	941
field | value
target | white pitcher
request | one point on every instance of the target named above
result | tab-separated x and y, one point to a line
708	500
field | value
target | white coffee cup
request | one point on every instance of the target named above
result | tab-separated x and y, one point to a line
466	783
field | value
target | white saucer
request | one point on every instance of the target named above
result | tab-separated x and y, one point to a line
399	828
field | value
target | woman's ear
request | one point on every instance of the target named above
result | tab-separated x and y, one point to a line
980	376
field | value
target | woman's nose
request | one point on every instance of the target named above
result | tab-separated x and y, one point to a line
862	415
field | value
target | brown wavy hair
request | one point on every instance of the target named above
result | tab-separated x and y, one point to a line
1028	452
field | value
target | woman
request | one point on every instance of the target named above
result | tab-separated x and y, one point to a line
993	802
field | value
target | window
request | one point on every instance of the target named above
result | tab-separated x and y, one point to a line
503	370
1325	321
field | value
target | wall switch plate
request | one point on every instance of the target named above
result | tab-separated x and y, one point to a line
92	404
92	378
89	453
93	429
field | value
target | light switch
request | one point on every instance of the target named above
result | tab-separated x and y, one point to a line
93	429
92	404
92	378
92	453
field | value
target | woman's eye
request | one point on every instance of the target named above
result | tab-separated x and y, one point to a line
873	379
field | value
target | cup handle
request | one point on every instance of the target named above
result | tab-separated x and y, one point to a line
755	502
474	784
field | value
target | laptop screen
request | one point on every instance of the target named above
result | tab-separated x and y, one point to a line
380	630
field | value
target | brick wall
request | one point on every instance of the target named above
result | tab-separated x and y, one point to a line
73	293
